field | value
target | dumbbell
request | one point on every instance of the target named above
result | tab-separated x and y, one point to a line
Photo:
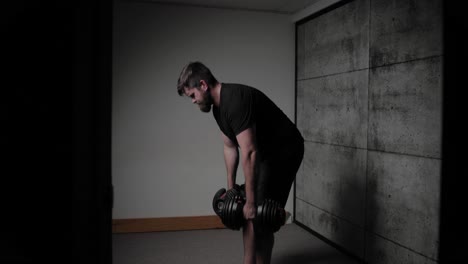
228	205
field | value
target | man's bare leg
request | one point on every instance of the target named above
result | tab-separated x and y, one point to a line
249	243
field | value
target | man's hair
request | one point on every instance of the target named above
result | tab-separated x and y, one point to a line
191	76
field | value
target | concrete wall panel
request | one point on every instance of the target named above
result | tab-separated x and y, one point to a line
333	109
372	128
334	180
405	113
331	227
403	30
403	194
382	251
336	42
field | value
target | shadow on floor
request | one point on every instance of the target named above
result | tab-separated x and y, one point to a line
325	257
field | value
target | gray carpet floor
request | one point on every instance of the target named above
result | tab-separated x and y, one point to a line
220	246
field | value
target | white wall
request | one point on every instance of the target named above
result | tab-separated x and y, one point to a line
167	157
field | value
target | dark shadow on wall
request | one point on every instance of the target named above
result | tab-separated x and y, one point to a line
344	226
453	231
371	248
333	254
352	205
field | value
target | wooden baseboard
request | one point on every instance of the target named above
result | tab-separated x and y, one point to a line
166	224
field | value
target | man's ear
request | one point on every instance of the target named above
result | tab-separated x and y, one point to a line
203	85
186	90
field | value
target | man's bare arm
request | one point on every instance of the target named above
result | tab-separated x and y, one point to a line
231	159
247	144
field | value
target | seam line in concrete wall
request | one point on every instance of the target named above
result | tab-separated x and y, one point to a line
332	74
335	145
368	68
369	30
330	213
402	62
373	150
400	245
295	116
404	154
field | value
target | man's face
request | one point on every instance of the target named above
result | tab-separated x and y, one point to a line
201	97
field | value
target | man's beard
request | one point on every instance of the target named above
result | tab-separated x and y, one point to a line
205	105
206	108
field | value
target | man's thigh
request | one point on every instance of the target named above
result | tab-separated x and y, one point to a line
275	178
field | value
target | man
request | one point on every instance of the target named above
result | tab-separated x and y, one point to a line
270	145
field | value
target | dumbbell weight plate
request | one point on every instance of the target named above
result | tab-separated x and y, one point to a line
217	199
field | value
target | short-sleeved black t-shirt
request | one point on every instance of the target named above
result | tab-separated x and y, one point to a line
242	107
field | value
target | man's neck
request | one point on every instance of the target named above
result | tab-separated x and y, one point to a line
216	94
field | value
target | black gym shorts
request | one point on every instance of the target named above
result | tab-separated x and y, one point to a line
274	178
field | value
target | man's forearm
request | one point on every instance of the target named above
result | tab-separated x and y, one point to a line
231	158
248	164
247	144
